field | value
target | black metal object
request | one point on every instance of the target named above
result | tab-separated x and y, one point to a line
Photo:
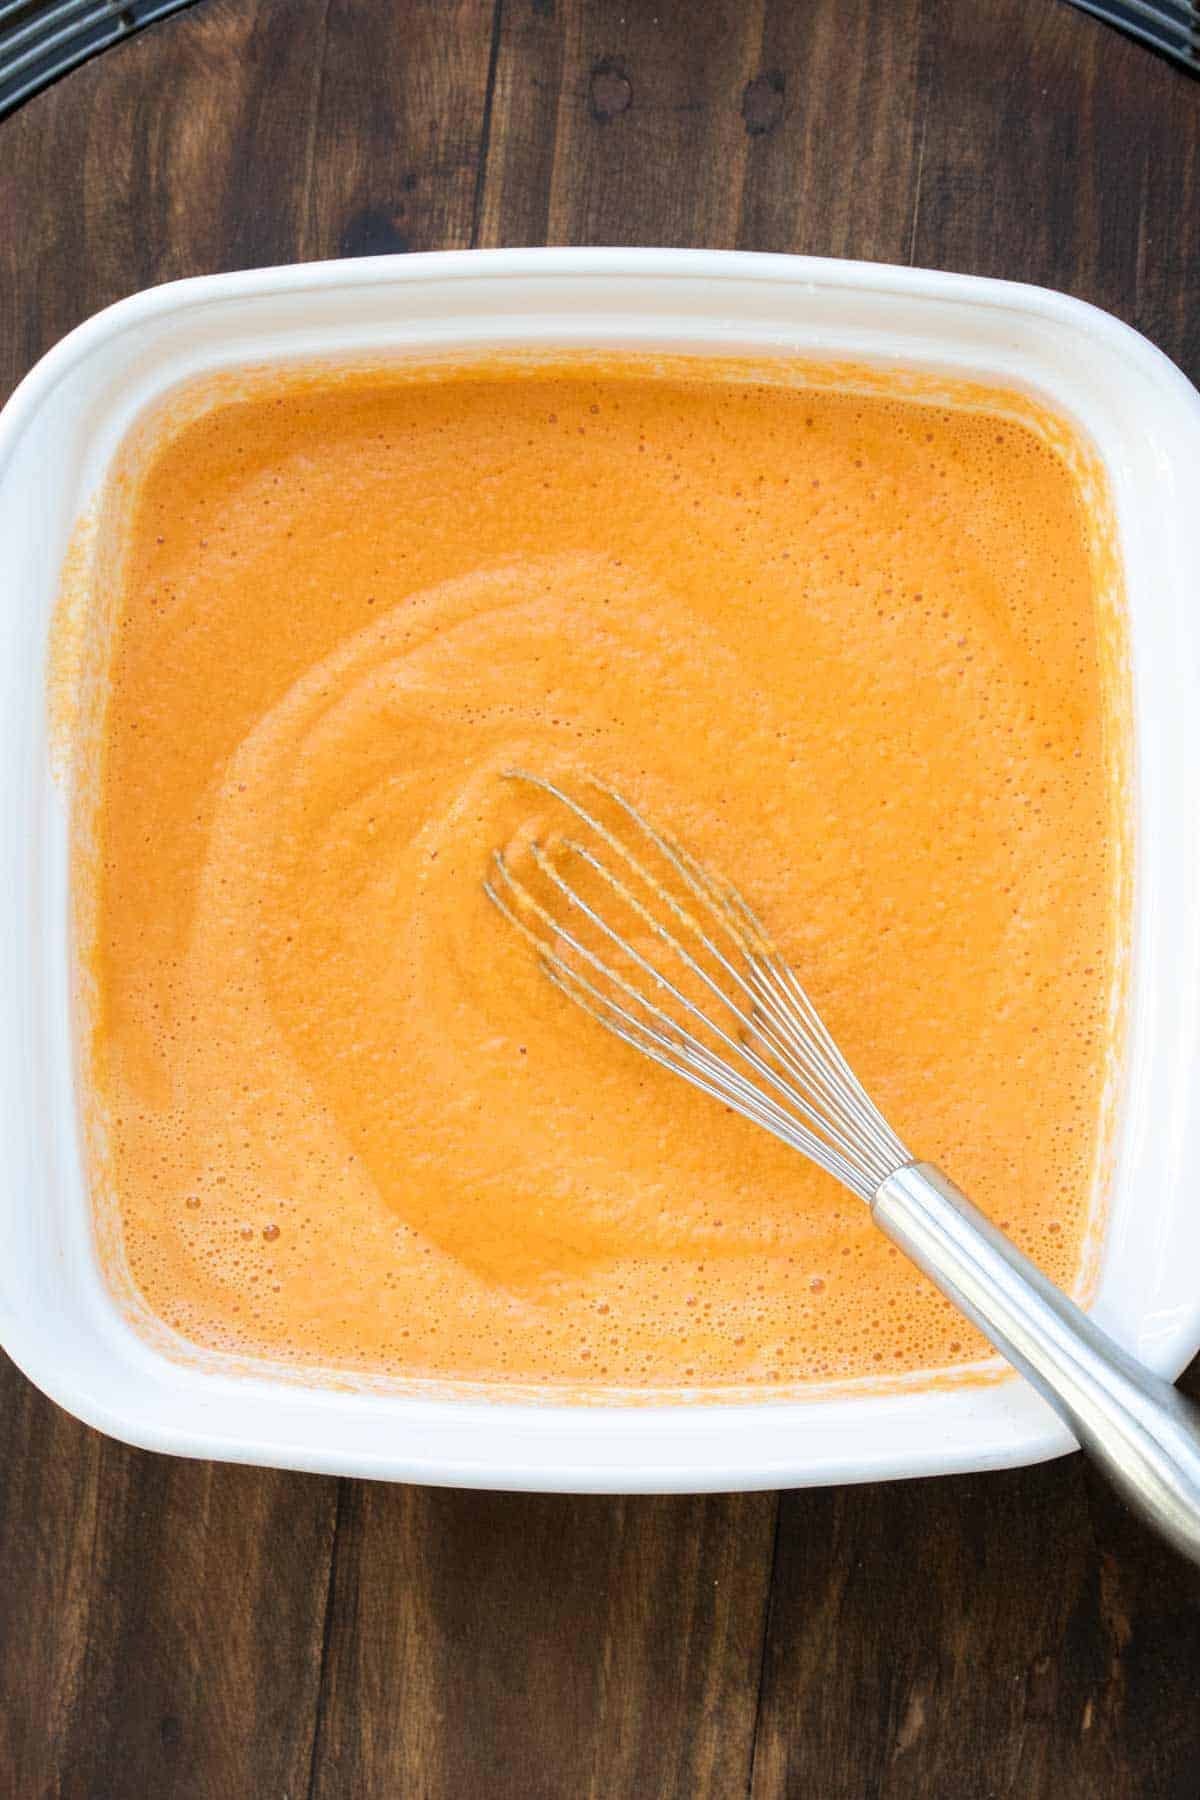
41	39
1169	26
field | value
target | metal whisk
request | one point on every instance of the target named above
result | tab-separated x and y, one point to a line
671	958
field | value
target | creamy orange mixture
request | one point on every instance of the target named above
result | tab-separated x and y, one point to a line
845	646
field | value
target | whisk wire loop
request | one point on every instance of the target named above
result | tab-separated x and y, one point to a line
746	1033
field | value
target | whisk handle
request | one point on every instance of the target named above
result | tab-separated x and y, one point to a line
1138	1428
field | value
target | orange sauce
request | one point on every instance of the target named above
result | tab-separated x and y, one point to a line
844	644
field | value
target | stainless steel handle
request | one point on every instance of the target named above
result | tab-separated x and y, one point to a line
1137	1427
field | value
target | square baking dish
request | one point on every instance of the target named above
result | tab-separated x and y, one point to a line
58	436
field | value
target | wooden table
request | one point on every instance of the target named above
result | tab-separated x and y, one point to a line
184	1629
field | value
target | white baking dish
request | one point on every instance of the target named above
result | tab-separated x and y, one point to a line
58	435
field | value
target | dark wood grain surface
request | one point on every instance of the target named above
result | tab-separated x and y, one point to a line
182	1629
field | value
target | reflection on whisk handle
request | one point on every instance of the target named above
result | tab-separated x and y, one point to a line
1134	1425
